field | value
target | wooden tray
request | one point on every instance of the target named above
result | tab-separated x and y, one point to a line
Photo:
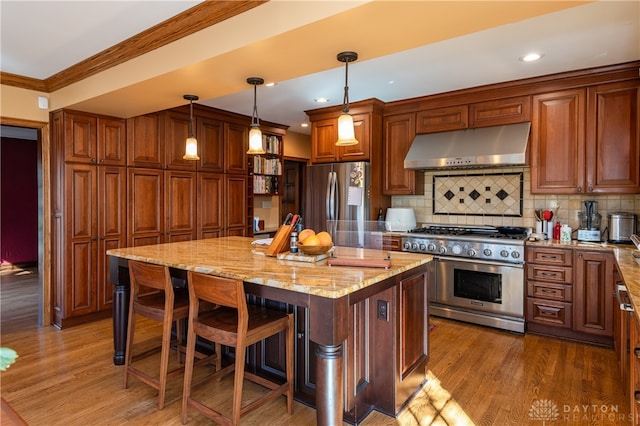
365	263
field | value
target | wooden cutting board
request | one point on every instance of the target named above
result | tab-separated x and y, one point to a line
365	263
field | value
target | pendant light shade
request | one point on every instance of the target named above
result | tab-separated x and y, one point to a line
346	133
191	146
255	135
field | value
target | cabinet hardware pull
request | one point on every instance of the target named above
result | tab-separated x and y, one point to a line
93	160
579	189
300	335
591	189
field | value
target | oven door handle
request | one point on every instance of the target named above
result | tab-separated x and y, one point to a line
622	297
476	261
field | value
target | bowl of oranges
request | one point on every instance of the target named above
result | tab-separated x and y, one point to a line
313	244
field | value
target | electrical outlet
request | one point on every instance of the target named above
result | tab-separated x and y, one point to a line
383	310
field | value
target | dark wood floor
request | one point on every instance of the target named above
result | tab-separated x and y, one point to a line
477	375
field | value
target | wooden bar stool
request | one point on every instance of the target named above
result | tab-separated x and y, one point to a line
163	304
236	324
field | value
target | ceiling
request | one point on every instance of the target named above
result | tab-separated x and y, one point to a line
406	49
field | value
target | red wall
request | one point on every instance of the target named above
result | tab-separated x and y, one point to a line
18	201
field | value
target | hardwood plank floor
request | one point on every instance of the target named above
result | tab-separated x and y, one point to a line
18	298
477	375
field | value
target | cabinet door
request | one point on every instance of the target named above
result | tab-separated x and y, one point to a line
399	132
209	201
145	207
362	132
236	205
324	134
145	146
80	138
500	111
176	132
236	145
634	369
180	206
613	138
112	141
593	293
442	119
81	241
210	136
557	142
112	199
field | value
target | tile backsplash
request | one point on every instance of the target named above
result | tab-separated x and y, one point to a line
443	191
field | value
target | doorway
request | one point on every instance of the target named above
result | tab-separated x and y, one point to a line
22	227
294	177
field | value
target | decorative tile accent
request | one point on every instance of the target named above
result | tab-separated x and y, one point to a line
492	194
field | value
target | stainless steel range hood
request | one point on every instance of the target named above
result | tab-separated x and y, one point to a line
496	146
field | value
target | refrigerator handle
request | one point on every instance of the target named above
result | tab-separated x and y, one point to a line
336	198
328	200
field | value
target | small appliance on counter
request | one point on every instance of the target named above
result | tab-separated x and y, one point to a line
400	219
621	227
590	219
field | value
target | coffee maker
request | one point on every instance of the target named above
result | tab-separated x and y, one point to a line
589	222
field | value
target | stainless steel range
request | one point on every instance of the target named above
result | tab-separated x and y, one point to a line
478	274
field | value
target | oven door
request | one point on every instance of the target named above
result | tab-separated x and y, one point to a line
480	286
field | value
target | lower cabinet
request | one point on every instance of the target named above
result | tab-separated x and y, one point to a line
634	369
385	354
570	293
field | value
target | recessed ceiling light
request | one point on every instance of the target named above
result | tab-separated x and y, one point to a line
321	100
391	81
304	125
530	57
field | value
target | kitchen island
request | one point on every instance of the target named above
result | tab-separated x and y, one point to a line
372	317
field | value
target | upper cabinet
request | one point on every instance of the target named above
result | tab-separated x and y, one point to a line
367	119
399	132
478	114
94	139
587	140
145	146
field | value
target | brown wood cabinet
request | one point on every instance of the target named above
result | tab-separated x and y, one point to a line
593	292
613	138
210	201
586	140
88	211
622	316
211	146
237	143
634	369
367	122
478	114
175	134
236	198
145	144
180	206
549	277
570	293
399	132
145	206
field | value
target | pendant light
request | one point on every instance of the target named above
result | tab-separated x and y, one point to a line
255	135
346	133
191	148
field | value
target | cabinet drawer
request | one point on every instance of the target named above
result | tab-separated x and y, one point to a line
546	312
549	256
550	274
550	291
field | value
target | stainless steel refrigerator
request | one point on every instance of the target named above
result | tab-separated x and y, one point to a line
337	201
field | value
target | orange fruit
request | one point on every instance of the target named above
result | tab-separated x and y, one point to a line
305	233
312	240
325	238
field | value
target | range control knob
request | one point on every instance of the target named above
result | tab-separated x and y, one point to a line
442	250
432	247
515	254
456	249
487	252
472	253
407	245
504	253
423	247
414	246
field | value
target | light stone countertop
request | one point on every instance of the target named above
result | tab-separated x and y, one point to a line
627	264
236	257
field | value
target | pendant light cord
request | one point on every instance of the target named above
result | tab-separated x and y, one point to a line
255	121
191	118
345	101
